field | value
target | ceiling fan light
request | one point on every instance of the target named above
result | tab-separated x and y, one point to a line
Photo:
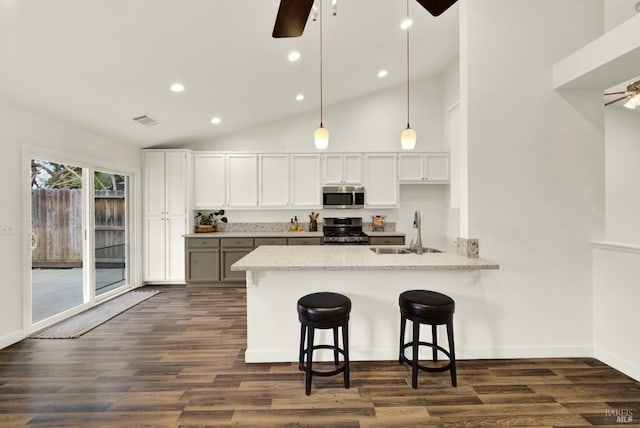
408	139
321	138
633	102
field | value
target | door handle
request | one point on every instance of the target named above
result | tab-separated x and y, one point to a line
34	241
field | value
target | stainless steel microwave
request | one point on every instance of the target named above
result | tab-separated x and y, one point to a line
343	197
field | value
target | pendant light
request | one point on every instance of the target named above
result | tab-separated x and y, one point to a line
321	134
408	136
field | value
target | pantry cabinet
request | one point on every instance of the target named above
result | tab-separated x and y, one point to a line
165	189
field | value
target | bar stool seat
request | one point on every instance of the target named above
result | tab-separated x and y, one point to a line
323	310
431	308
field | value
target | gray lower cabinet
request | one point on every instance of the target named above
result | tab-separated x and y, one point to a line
208	260
233	249
305	241
386	240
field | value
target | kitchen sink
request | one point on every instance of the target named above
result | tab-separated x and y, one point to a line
396	250
390	250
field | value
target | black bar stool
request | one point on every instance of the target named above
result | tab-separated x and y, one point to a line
323	311
427	307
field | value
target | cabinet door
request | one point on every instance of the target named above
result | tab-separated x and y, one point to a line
411	167
352	169
332	169
153	183
381	180
209	181
203	266
274	180
242	181
176	183
386	240
229	257
437	166
306	190
176	227
154	248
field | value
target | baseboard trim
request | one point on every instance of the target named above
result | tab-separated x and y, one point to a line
12	338
630	369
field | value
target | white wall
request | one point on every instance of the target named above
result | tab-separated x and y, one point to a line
371	123
20	128
622	127
535	171
618	11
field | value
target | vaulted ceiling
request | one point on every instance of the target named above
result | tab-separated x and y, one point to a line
99	63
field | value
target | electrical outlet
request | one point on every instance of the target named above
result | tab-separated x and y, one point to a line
6	229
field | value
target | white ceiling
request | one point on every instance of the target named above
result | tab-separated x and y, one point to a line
99	63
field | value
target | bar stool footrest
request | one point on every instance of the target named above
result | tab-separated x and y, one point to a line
425	368
303	367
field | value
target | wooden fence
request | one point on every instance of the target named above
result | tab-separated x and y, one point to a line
57	223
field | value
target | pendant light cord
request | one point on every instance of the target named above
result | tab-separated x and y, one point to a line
407	66
321	102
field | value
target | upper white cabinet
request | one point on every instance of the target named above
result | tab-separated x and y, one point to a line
165	190
273	180
306	189
242	181
209	181
381	180
424	168
342	168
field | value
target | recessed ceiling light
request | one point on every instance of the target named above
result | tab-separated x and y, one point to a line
177	87
299	97
294	56
216	120
382	73
406	23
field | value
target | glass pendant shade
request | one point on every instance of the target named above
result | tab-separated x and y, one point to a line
408	139
321	138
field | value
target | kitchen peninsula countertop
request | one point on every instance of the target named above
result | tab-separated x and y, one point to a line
351	257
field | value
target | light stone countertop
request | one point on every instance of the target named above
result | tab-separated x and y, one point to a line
351	257
283	234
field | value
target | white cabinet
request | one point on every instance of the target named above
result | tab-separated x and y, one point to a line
381	180
209	181
225	181
165	190
242	181
306	188
342	168
424	168
274	180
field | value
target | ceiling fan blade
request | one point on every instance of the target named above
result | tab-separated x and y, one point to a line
616	93
436	7
292	17
615	101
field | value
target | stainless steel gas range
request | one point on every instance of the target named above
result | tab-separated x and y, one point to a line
344	231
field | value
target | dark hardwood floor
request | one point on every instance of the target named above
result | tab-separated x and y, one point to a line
177	360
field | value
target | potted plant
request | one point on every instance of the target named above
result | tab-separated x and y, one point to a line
207	222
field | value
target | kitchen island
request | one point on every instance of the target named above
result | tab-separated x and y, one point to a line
277	276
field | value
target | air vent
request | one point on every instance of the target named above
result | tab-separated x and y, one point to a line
145	120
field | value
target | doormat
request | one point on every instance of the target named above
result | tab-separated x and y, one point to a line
79	324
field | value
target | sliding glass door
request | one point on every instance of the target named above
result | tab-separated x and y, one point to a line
57	238
79	237
110	231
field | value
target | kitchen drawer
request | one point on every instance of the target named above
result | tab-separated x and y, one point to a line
270	241
237	242
203	242
386	240
305	241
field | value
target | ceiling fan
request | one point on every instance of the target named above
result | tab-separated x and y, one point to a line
632	93
292	15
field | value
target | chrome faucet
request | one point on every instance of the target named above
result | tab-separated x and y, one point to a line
417	225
